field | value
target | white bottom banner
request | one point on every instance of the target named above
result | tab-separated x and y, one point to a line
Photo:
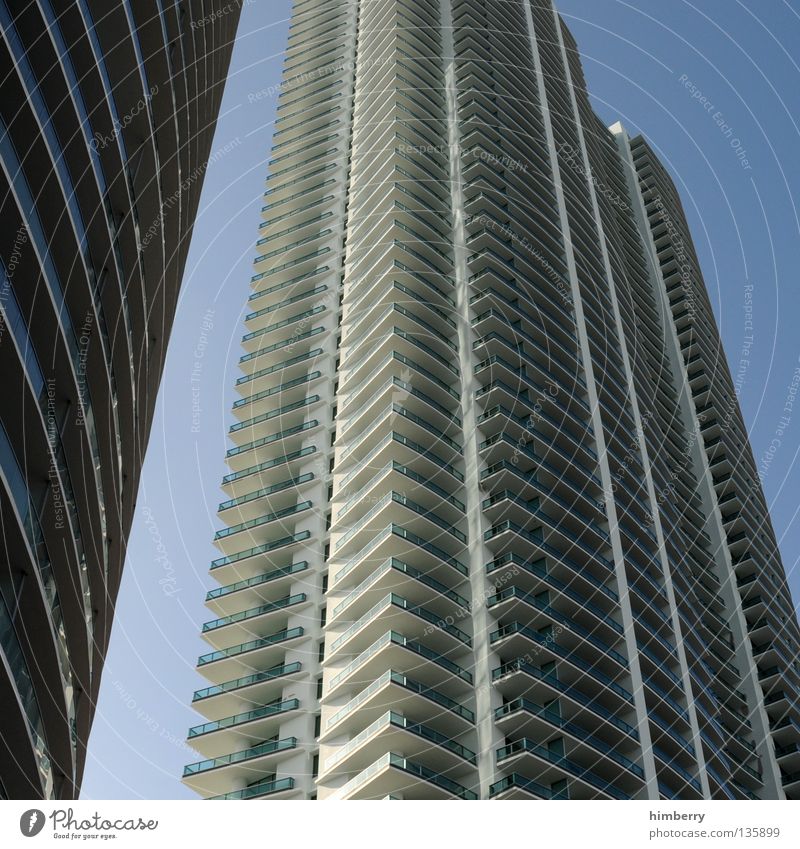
410	825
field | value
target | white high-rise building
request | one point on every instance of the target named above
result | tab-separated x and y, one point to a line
494	529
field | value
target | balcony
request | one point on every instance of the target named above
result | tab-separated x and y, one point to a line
273	788
396	690
506	537
514	604
530	573
278	497
791	784
516	786
545	686
395	651
290	419
522	716
211	776
255	622
397	612
288	370
395	508
559	516
551	767
260	688
395	474
244	658
389	776
516	640
785	730
232	598
395	540
250	562
394	730
250	409
214	739
413	584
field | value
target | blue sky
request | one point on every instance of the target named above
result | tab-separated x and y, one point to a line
710	83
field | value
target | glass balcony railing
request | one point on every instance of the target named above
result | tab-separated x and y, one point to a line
321	269
572	657
399	721
299	226
411	645
665	696
671	732
242	718
263	788
250	754
394	436
264	520
521	370
572	728
539	568
264	331
528	785
660	663
399	601
260	419
572	692
506	465
313	354
277	390
262	642
248	680
264	578
568	765
284	343
269	490
254	612
269	464
537	537
409	684
400	531
404	568
433	695
406	471
274	545
399	498
721	781
392	760
431	776
533	601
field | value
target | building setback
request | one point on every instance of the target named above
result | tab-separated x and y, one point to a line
107	114
493	528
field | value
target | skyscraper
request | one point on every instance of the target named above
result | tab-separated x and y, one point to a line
107	114
493	526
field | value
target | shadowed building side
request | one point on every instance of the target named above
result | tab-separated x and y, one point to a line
107	115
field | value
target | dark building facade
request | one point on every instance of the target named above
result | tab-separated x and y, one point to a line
107	115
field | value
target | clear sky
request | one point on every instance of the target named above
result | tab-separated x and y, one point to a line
649	63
